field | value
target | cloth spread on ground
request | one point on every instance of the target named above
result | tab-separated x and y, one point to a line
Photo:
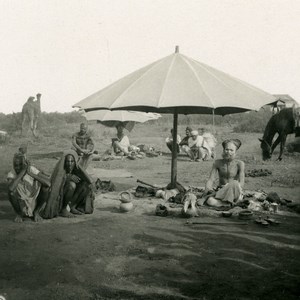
28	190
104	173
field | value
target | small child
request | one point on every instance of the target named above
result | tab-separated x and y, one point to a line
23	151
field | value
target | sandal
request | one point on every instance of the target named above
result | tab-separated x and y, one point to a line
261	221
272	221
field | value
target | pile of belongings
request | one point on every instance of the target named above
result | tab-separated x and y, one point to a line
103	186
149	151
139	151
262	201
143	192
161	210
258	173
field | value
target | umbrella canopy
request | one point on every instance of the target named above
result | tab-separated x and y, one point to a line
178	84
120	115
126	118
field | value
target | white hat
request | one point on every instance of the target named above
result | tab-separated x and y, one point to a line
194	132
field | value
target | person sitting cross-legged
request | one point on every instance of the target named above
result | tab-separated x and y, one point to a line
195	149
231	174
83	144
27	189
184	144
70	185
209	142
121	143
169	141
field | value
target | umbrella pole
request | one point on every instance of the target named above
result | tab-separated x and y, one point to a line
213	113
174	152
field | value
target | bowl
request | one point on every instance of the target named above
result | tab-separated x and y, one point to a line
226	214
246	215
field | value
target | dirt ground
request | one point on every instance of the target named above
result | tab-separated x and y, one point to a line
137	255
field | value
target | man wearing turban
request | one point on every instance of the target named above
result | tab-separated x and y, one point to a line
197	148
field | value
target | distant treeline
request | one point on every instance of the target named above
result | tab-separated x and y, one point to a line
243	122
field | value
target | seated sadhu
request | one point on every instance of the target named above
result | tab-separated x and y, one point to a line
83	145
184	144
169	141
70	185
197	148
121	143
27	189
210	142
231	174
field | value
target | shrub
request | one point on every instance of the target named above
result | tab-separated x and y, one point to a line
253	122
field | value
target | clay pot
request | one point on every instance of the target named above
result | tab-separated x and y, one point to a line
126	204
125	197
126	207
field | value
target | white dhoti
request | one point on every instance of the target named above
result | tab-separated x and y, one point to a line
230	192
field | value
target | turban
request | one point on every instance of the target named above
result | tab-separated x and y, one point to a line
194	132
236	142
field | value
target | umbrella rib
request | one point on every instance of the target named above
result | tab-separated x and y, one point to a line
197	77
166	78
222	82
137	80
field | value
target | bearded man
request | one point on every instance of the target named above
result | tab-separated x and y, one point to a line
70	185
27	189
231	174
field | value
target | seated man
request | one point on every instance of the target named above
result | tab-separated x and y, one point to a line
231	174
83	145
121	143
210	142
27	189
70	185
169	141
184	144
196	149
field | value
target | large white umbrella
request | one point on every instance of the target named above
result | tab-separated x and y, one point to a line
178	84
120	116
126	118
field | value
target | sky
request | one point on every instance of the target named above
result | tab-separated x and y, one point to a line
69	49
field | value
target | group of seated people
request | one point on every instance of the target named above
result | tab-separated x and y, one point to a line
197	145
68	191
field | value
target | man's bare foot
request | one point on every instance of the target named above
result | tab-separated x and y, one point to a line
211	201
75	211
81	210
37	217
18	219
66	214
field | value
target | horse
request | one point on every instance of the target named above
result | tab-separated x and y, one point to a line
282	123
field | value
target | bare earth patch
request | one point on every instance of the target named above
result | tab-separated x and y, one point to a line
137	255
